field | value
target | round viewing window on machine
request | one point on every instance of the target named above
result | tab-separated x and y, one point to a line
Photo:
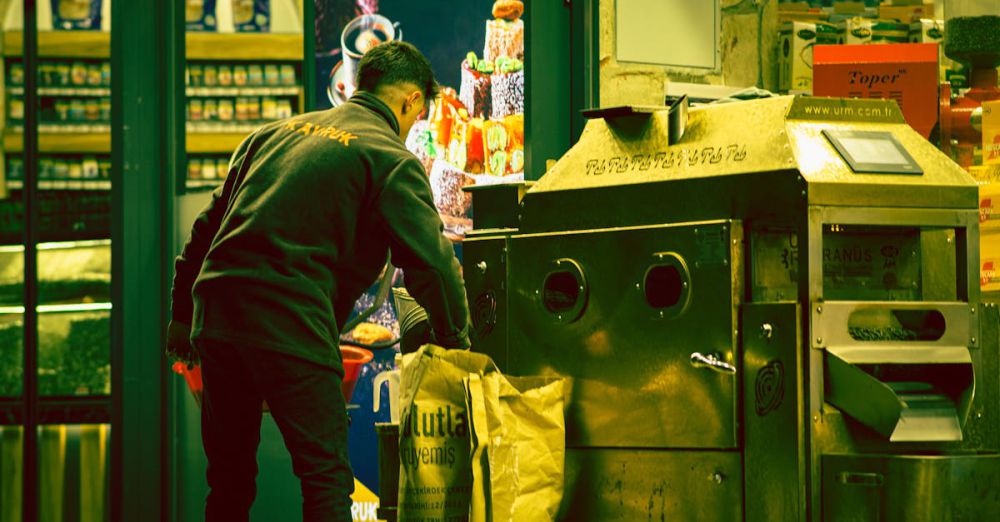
564	291
666	285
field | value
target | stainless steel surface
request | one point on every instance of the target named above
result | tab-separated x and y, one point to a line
773	405
910	488
629	360
712	361
737	292
629	485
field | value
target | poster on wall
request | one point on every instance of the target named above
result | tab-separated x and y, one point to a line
473	134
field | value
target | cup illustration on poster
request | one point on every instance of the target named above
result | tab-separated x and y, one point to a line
473	133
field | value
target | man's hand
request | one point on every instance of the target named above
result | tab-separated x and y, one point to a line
179	343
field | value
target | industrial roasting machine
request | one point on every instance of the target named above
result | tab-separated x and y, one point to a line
768	310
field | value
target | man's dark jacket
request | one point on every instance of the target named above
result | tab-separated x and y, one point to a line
302	227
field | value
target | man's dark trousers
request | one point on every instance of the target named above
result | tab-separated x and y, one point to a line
306	403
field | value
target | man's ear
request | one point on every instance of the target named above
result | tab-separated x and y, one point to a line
411	101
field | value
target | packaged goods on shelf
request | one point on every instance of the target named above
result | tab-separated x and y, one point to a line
989	258
906	13
240	76
210	75
225	75
849	7
15	74
255	74
866	30
991	132
288	75
796	42
989	206
272	74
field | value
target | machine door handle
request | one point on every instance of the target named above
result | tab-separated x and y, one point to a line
712	361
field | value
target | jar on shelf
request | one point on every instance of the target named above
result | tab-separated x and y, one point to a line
284	109
208	168
253	109
78	74
106	74
47	76
269	108
92	109
211	108
255	75
196	110
17	73
221	167
196	76
240	76
242	109
62	109
288	75
64	75
104	168
60	169
77	110
226	109
74	169
272	74
94	75
106	109
15	108
211	76
225	76
91	169
194	169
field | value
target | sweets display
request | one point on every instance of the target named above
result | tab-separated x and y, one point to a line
507	88
477	134
504	38
475	90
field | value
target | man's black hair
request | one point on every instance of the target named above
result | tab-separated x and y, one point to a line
394	63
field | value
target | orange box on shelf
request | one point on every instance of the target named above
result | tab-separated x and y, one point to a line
989	206
906	73
989	262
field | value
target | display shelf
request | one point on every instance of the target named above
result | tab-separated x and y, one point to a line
218	92
200	46
60	142
77	92
215	142
68	184
100	143
244	46
203	183
61	44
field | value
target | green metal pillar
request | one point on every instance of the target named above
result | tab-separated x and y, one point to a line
147	146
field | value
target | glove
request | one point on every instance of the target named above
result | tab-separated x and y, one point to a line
415	336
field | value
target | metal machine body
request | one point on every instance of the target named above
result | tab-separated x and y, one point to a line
757	320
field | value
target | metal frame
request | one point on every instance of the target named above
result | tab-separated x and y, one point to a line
30	493
147	145
561	44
